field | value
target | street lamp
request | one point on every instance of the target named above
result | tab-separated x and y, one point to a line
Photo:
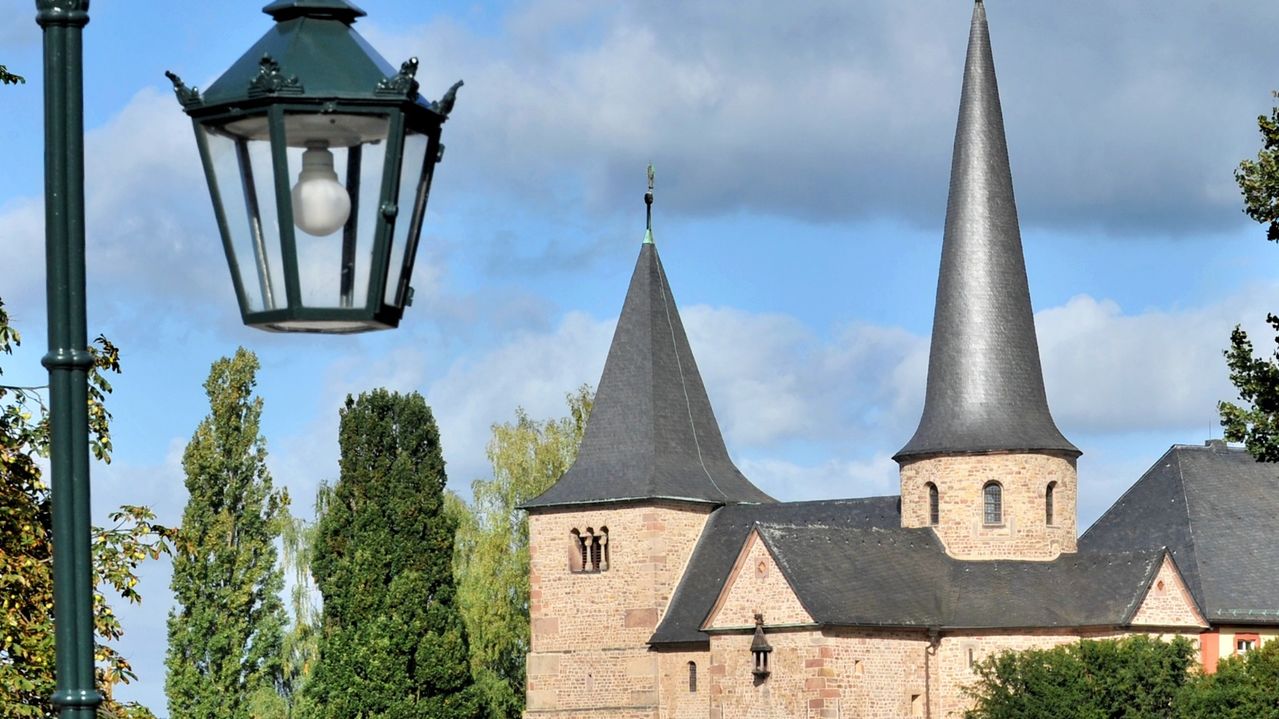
319	156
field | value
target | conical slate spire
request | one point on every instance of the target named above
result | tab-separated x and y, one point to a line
652	433
985	385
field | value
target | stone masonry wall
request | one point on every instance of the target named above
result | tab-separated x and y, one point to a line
1168	602
832	674
589	631
1023	533
679	698
756	586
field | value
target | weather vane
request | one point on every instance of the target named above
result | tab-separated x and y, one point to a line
648	198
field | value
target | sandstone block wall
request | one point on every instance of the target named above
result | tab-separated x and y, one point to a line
832	674
1168	602
1024	532
680	700
589	630
756	586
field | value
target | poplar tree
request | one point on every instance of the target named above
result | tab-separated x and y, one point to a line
226	628
392	642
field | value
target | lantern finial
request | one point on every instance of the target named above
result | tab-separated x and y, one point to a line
648	205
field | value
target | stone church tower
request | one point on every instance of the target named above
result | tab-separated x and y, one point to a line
987	469
609	542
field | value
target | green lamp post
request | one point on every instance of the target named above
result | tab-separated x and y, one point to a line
319	156
68	359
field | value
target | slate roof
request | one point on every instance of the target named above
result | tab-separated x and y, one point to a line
652	433
721	541
903	578
1217	510
985	385
852	564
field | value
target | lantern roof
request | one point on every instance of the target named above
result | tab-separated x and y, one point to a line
311	55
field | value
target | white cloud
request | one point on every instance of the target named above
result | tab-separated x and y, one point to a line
830	479
531	370
1107	371
846	111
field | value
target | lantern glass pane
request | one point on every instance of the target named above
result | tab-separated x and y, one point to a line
244	182
411	201
335	245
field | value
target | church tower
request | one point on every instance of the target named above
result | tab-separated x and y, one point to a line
987	468
609	541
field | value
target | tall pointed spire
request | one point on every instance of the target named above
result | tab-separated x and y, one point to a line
985	384
652	433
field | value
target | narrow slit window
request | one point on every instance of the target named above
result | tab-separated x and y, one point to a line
993	495
1048	503
934	505
692	677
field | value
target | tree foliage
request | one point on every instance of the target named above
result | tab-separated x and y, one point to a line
1132	678
226	630
1243	687
1257	378
301	647
491	558
1259	179
392	643
26	572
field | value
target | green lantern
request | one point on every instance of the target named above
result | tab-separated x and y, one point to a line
319	157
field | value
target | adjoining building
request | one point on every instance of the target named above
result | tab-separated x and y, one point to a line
665	585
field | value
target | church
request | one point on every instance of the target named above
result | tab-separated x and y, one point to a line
665	585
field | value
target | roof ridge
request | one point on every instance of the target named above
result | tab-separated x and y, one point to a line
679	363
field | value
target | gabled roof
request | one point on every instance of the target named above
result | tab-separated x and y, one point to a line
985	385
652	433
904	578
851	563
721	542
1217	511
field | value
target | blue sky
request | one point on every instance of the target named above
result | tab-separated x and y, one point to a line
802	156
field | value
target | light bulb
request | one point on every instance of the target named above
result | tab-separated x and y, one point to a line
321	204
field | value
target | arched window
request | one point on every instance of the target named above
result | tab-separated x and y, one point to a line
993	496
1048	503
934	505
692	677
600	556
577	552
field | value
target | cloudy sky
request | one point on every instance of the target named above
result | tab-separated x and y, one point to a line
802	153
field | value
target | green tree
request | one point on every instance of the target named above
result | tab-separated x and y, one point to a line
301	647
1136	677
1256	424
1243	687
392	642
26	577
226	630
491	558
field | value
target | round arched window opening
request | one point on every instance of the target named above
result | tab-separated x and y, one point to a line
692	677
993	501
1049	509
934	505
